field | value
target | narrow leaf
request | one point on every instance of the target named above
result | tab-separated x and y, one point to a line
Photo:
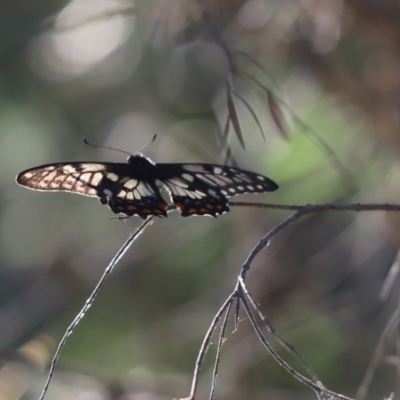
277	115
253	114
233	115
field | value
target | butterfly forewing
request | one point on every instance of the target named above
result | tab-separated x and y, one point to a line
113	183
133	188
82	178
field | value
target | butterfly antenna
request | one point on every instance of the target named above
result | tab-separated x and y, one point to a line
121	151
147	144
105	147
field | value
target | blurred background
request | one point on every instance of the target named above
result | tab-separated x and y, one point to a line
117	72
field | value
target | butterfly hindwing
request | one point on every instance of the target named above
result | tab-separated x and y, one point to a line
138	198
209	205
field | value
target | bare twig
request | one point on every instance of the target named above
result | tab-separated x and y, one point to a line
313	208
90	300
219	348
302	379
242	293
378	355
397	341
264	240
390	279
237	309
271	329
206	343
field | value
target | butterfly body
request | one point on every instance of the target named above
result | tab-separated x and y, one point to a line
133	188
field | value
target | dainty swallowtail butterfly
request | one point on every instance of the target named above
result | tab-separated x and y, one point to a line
134	188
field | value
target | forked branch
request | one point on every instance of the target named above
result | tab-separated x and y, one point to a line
242	294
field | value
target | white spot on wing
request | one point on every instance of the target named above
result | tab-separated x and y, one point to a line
112	177
179	191
217	170
69	169
188	177
199	194
91	167
217	180
205	179
193	168
107	192
178	183
141	190
50	176
97	177
131	183
129	196
261	178
85	177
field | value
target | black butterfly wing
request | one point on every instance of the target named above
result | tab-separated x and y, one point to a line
115	184
204	189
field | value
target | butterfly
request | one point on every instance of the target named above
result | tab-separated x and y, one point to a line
133	188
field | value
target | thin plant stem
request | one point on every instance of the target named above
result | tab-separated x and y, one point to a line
90	300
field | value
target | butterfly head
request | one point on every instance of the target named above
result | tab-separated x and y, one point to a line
140	161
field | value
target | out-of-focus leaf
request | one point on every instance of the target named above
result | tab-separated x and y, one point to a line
233	115
225	146
253	114
277	115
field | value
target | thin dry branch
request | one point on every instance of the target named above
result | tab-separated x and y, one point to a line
206	342
390	278
90	300
264	240
242	293
313	208
377	357
219	348
302	379
271	329
237	294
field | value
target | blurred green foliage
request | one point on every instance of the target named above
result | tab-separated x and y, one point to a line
119	73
